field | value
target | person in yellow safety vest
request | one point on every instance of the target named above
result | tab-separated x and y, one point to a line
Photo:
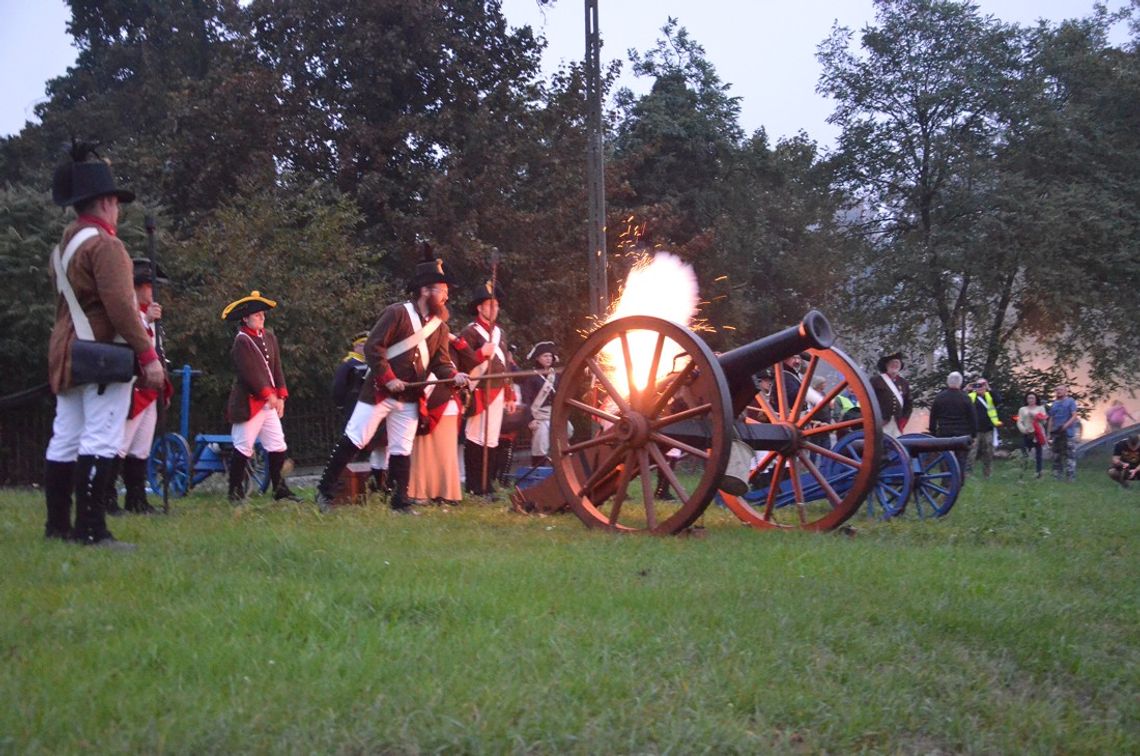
844	403
985	410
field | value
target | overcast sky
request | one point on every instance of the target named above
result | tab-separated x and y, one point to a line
764	48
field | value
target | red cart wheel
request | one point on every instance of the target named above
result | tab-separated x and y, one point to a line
636	379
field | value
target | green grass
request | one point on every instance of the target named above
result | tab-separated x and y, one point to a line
1010	626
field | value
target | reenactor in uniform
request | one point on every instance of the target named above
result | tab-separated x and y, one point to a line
92	273
257	399
142	417
408	342
490	398
538	396
893	393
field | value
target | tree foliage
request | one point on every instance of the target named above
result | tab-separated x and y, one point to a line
977	167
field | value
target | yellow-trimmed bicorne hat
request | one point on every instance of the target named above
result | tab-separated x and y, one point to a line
239	308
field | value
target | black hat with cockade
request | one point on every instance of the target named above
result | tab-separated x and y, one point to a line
84	176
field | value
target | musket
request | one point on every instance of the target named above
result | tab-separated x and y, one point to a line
486	377
487	389
160	402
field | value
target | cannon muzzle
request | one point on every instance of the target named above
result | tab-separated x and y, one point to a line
740	364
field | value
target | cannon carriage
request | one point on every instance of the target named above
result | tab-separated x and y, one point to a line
665	440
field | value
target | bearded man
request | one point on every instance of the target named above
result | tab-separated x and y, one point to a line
408	343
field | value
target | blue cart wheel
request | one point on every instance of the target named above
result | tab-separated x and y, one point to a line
259	468
169	464
937	481
895	480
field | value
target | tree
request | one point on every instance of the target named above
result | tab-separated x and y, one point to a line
920	115
939	117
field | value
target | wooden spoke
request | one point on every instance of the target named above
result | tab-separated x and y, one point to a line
628	359
825	401
805	384
651	383
828	427
663	439
766	408
678	381
664	468
595	411
781	390
763	462
604	469
677	417
828	491
797	490
825	452
604	438
773	489
608	384
647	489
624	478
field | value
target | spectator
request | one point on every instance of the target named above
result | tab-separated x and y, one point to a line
952	414
1125	460
1031	422
1062	428
1116	415
985	411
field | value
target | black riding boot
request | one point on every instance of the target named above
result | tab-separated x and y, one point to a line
134	475
472	466
663	492
92	476
400	472
536	460
341	455
281	489
238	465
111	504
59	482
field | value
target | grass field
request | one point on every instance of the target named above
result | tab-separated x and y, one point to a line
1011	626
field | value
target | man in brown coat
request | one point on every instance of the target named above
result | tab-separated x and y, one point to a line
408	343
95	298
257	398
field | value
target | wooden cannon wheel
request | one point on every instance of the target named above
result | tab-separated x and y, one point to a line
630	379
805	485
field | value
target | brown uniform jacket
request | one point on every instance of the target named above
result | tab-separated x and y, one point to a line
394	326
252	384
102	277
889	406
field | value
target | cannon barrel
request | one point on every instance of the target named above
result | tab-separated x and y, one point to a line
924	444
739	365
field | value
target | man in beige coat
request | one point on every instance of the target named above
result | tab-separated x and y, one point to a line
89	419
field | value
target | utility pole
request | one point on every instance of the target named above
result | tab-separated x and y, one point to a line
595	172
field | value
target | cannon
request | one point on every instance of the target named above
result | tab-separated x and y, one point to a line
657	416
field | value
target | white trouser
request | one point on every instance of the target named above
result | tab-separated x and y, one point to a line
378	458
139	434
494	419
403	417
264	426
89	423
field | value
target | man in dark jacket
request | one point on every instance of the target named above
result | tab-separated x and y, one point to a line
952	414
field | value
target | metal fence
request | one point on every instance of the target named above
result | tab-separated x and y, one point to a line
311	425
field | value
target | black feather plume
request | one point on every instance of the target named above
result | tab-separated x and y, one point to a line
80	151
426	252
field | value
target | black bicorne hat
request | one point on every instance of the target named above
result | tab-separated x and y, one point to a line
429	270
541	348
239	308
882	365
84	176
483	292
143	272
